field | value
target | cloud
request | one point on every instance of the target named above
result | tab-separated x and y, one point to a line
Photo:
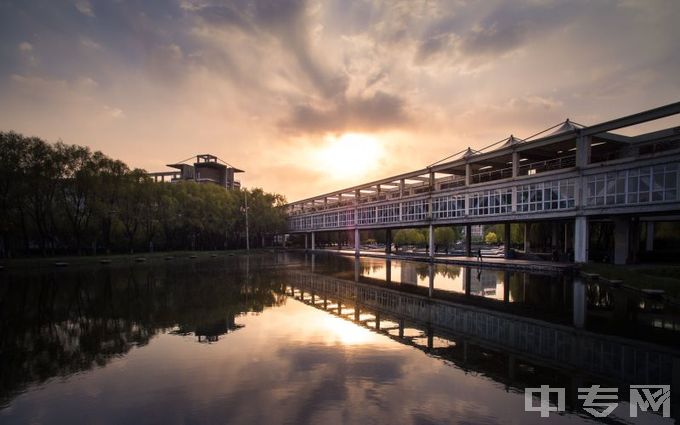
379	112
84	7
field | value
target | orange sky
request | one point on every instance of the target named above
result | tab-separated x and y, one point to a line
311	96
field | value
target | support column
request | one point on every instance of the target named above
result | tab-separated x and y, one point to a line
468	240
313	243
388	242
357	312
515	164
621	231
527	244
306	248
649	241
506	239
357	241
579	302
430	236
388	271
582	151
581	239
468	174
430	273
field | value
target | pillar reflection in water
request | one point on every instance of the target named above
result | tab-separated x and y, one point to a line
579	302
357	268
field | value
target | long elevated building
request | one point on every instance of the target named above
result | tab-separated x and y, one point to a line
207	169
570	177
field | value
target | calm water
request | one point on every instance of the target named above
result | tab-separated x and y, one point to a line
289	338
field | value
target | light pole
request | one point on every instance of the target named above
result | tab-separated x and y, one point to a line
245	196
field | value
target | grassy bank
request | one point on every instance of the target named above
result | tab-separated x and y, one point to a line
641	276
50	262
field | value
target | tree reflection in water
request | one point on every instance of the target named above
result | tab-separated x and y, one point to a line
60	323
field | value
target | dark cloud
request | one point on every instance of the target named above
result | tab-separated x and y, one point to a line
506	27
378	112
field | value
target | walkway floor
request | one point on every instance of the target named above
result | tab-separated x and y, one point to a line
493	262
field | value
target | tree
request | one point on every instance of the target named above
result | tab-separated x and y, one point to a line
491	238
444	236
405	237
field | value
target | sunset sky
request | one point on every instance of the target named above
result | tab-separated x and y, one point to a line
312	96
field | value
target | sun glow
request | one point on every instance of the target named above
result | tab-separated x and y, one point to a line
349	156
347	333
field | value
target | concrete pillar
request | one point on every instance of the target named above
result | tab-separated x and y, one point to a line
579	298
313	263
357	241
388	241
468	174
357	313
582	151
401	328
402	186
430	273
581	239
430	239
515	164
468	240
306	248
506	239
649	241
313	243
527	243
553	236
621	241
377	321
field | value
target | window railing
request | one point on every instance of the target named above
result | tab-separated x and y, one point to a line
487	176
547	165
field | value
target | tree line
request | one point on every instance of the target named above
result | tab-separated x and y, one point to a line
60	198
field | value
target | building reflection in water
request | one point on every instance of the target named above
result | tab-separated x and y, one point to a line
473	327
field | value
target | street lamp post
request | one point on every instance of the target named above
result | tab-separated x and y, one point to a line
245	196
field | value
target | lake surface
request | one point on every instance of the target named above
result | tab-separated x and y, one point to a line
286	338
